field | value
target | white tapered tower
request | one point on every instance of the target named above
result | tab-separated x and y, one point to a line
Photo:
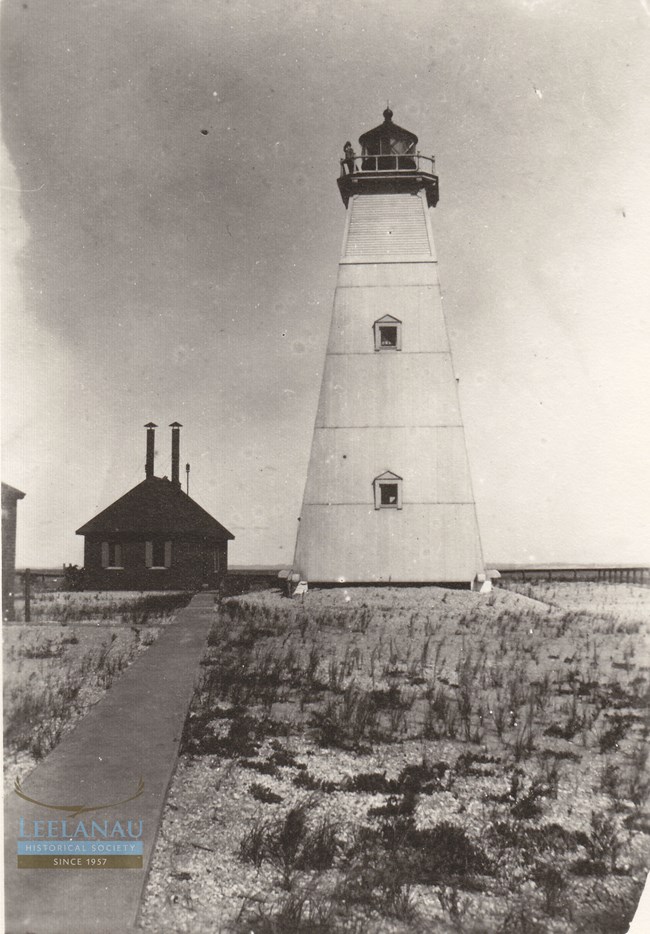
388	496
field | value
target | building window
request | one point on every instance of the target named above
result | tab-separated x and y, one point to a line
388	491
388	333
112	555
158	554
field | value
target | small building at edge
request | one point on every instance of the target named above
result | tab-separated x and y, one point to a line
10	497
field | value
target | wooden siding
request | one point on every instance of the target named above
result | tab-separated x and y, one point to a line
417	543
395	390
387	275
388	226
431	461
417	307
393	410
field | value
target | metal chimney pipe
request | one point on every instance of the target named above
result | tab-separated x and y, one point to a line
151	441
176	447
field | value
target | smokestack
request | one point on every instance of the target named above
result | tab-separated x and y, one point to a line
176	446
151	437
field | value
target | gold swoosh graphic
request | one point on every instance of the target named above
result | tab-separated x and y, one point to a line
76	809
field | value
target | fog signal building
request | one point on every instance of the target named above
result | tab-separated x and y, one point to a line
155	537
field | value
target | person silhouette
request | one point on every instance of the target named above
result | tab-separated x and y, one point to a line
349	157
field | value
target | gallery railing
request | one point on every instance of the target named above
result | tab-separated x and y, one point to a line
413	162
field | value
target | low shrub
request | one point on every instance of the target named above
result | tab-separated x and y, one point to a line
454	905
370	783
44	647
521	918
242	740
347	722
613	733
296	913
396	806
551	881
390	698
446	850
282	758
264	768
377	882
608	912
475	764
131	610
526	803
36	716
589	867
252	847
320	846
424	777
290	845
265	795
306	780
427	856
604	843
534	841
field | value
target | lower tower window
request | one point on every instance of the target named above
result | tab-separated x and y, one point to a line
388	333
388	491
388	336
388	494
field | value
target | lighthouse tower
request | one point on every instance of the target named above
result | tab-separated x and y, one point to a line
388	496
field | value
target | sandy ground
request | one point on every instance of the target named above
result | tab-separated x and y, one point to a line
583	651
44	657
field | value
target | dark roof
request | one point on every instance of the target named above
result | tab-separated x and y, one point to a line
11	492
386	130
155	507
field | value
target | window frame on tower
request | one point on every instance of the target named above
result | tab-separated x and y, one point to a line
388	486
381	327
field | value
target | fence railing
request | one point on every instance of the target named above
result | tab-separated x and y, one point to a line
407	163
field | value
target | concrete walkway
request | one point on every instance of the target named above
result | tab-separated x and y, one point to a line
133	733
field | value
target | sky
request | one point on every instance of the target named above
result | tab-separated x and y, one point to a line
172	227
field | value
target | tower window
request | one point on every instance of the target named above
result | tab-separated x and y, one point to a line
388	494
388	491
388	336
388	333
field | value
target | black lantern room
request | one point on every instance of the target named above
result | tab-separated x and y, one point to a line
389	162
388	146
